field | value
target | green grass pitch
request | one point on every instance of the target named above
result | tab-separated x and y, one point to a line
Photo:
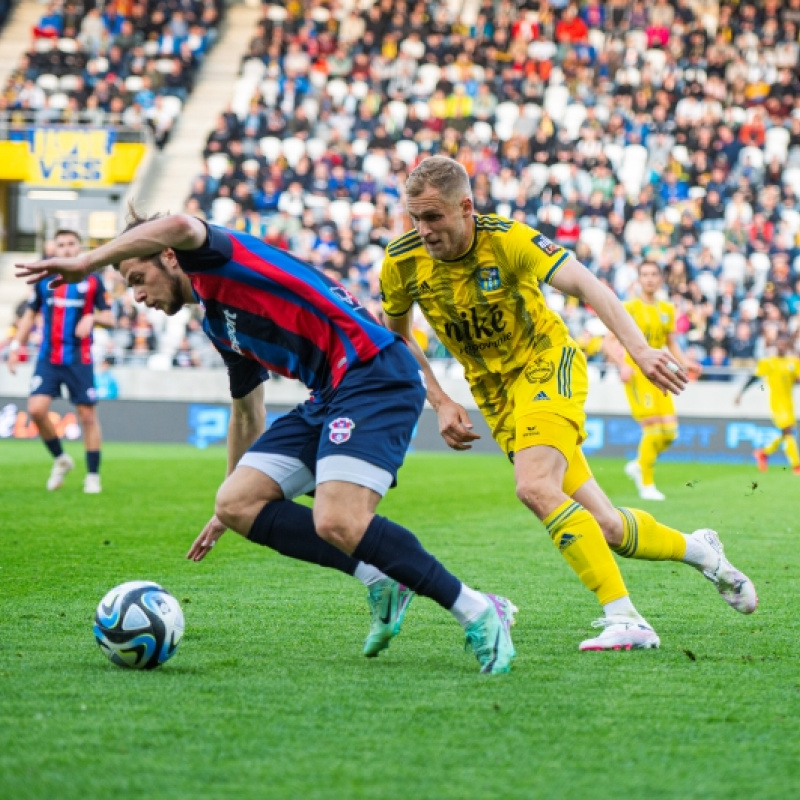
269	696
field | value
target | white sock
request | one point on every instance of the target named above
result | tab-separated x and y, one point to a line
622	608
368	574
696	553
468	606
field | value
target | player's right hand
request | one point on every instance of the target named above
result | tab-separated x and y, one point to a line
64	270
206	540
625	373
13	358
455	426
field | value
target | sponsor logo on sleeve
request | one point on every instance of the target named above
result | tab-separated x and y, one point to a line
545	245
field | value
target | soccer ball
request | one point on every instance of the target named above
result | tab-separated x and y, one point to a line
138	625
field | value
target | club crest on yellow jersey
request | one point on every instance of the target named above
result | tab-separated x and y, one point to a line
489	279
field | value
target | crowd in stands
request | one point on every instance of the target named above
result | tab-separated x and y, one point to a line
668	129
621	129
128	62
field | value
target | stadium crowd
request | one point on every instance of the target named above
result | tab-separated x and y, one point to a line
668	129
126	62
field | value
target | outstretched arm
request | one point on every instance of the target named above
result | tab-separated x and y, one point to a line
753	379
177	231
573	278
454	423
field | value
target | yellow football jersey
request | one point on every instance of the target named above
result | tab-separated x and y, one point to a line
486	307
780	373
655	320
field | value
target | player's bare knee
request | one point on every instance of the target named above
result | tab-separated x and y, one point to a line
338	528
538	493
610	523
233	509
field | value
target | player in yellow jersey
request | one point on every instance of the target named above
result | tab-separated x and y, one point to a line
477	281
781	372
651	407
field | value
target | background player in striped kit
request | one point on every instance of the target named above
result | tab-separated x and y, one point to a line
266	310
70	312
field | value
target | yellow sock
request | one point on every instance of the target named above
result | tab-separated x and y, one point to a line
790	447
773	446
669	433
578	537
648	452
645	538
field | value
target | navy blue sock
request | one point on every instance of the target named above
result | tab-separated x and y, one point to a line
54	446
288	528
93	461
398	553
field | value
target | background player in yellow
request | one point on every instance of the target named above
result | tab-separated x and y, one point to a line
477	281
651	407
781	372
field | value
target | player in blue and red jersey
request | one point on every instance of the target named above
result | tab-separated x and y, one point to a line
268	311
69	314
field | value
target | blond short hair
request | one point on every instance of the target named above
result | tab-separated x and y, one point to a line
444	174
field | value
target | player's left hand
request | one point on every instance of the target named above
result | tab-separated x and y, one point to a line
64	270
662	369
206	540
455	426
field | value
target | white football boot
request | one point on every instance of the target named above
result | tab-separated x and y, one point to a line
61	467
634	472
91	483
651	493
622	633
735	588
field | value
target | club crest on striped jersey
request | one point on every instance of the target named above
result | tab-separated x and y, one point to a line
341	429
346	296
489	279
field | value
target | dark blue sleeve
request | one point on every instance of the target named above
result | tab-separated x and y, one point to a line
100	299
37	298
215	252
244	374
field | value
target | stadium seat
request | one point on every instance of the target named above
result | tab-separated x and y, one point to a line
407	150
714	241
555	101
681	154
67	45
293	149
504	130
134	83
253	69
359	146
574	115
614	153
337	90
791	177
753	155
59	100
657	59
359	89
791	219
270	89
69	82
311	106
171	105
776	144
429	74
376	165
164	65
539	174
316	148
734	267
422	110
341	212
560	171
594	239
217	164
398	111
507	112
48	82
482	132
222	210
270	147
708	284
276	13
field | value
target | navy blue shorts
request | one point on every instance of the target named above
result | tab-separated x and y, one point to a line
78	378
370	416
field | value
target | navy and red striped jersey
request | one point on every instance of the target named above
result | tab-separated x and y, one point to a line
277	313
62	309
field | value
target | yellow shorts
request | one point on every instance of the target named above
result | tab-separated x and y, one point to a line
783	417
646	399
545	406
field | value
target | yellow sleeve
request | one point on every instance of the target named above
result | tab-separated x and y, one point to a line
669	325
394	296
761	369
531	250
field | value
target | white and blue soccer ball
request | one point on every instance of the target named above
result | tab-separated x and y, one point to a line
138	625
